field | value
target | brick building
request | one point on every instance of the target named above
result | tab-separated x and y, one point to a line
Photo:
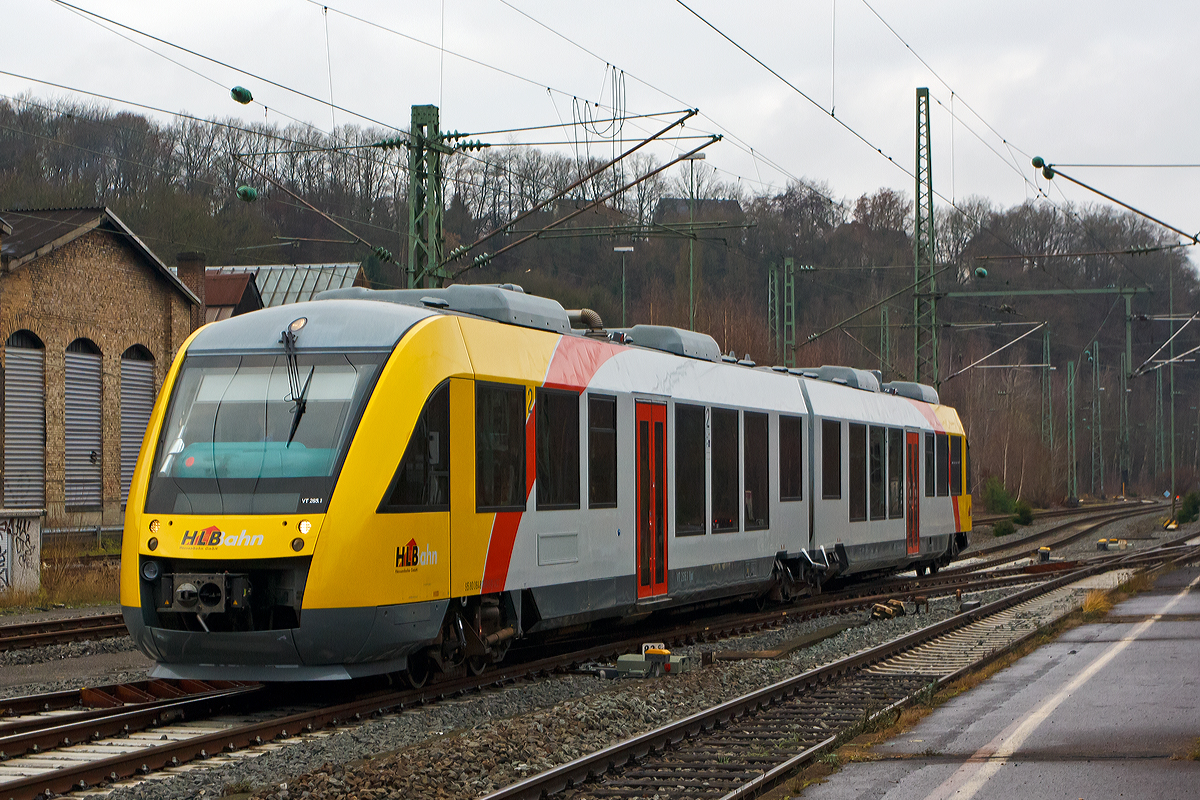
90	320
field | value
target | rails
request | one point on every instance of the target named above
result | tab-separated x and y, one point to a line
61	631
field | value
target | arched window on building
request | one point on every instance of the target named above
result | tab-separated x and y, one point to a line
24	422
137	401
82	481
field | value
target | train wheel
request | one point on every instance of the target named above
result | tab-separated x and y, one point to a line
933	568
418	670
920	570
477	664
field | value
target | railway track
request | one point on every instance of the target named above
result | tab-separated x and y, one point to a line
1050	513
1058	535
749	745
145	728
61	631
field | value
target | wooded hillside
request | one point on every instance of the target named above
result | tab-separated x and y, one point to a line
174	185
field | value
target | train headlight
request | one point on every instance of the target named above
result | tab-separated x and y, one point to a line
297	544
305	526
150	570
154	526
152	544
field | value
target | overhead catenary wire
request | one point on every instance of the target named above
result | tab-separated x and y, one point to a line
1036	327
224	64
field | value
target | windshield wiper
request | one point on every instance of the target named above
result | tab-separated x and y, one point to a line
300	407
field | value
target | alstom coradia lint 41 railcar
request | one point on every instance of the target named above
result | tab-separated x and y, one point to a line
408	481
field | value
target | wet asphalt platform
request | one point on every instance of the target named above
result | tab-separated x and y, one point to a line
1109	710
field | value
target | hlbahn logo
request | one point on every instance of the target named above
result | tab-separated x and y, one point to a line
411	556
214	536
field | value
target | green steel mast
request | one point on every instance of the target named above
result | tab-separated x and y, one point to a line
925	368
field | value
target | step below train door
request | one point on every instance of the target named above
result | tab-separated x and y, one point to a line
651	499
912	492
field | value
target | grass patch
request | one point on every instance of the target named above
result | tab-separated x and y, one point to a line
1004	528
1096	603
66	582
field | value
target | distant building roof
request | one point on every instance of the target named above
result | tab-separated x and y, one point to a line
708	208
280	284
227	295
38	232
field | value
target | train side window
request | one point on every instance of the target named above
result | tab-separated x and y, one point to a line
970	475
791	459
422	481
754	465
930	467
943	465
690	486
877	453
557	421
956	466
602	451
499	447
858	472
831	459
896	473
726	516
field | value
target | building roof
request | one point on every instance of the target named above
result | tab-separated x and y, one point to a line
226	289
38	232
225	293
709	208
281	284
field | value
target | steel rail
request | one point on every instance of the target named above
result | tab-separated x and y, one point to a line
27	714
60	631
117	722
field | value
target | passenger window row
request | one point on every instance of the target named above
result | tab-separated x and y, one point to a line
876	468
422	481
943	465
703	435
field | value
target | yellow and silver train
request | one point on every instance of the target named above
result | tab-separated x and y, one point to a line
408	481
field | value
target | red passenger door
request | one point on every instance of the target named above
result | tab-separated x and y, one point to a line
912	497
651	499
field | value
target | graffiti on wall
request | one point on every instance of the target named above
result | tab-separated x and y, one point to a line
17	551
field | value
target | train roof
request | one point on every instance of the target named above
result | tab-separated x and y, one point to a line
335	325
339	324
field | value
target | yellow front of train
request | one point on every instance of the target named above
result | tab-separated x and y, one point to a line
252	546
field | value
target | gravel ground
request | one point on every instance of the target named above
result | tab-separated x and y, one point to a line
60	652
1141	533
473	745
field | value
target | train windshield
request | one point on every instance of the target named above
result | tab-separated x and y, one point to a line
248	435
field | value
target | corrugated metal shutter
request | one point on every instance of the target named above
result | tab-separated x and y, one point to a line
83	456
24	429
137	401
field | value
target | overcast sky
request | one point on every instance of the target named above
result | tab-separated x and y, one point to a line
1076	82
